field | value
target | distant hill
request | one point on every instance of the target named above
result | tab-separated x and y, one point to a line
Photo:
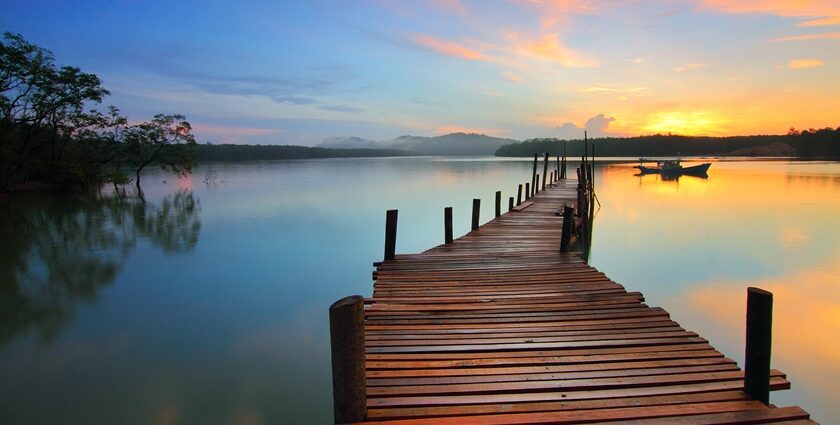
229	152
448	144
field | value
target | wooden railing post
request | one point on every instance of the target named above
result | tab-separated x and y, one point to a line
475	211
545	170
347	343
390	234
447	225
519	195
563	168
510	203
498	203
757	356
534	177
568	228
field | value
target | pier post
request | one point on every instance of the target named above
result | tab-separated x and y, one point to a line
390	234
510	203
545	170
519	195
557	168
536	188
447	225
568	228
347	346
534	176
498	203
757	356
475	210
527	190
563	168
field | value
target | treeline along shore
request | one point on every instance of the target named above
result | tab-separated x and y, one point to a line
806	143
230	152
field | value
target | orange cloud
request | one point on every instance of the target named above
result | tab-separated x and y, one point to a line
549	48
447	48
556	12
795	8
821	22
803	37
805	63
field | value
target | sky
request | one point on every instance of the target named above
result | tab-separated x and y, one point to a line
281	72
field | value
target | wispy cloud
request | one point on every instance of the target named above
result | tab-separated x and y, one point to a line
817	12
452	6
511	77
689	66
447	48
341	108
805	63
550	48
821	22
804	37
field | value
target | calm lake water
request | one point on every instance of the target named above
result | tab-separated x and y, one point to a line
207	304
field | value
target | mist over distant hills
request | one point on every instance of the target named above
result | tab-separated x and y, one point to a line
448	144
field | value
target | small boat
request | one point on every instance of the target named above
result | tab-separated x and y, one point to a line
672	167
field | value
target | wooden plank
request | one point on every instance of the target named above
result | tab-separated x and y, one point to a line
498	327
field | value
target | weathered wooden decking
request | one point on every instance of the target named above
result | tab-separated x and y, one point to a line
500	328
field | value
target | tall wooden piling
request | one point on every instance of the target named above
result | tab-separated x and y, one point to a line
390	234
347	346
545	170
534	175
568	228
447	225
536	188
498	203
527	190
519	195
475	210
759	335
510	203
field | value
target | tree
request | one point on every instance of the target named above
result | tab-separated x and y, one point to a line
166	140
40	105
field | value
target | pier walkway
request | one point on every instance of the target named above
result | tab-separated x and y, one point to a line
499	327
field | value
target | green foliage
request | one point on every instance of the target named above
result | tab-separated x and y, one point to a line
48	134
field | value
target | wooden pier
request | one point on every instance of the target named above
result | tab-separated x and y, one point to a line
500	327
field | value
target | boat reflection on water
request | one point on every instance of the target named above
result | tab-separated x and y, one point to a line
674	177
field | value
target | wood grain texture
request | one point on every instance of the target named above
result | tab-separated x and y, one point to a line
500	327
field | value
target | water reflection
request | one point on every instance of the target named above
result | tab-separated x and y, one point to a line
805	316
56	252
695	245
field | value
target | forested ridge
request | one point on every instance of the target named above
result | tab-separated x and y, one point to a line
805	143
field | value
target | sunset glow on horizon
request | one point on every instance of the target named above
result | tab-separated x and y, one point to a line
299	72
